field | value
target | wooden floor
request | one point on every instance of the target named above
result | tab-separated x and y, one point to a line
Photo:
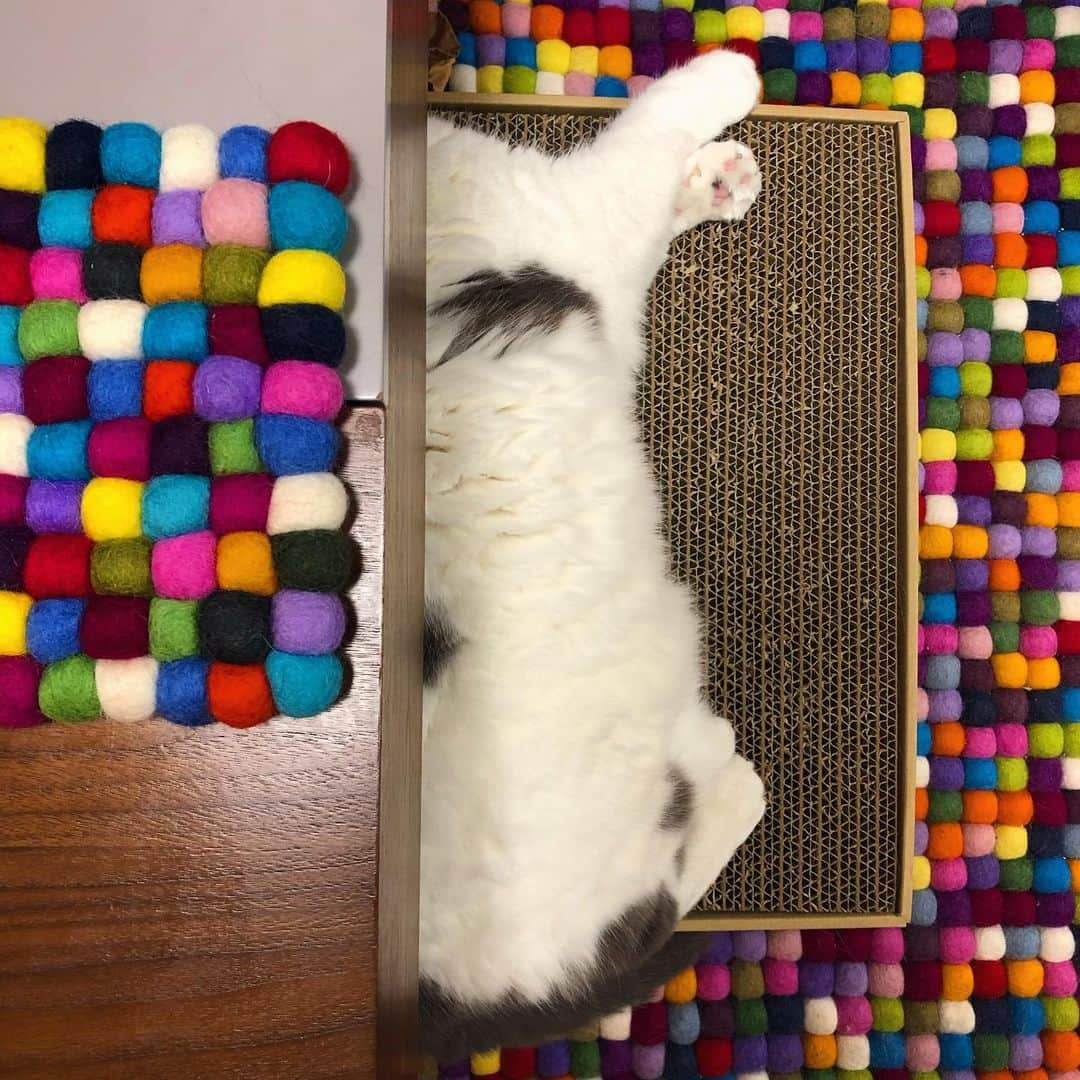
201	903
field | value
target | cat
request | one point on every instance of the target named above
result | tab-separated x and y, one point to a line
579	796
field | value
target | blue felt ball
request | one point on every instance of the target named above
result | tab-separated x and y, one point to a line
289	445
922	739
114	388
1050	876
980	774
1022	942
785	1012
1002	151
684	1023
131	154
1041	216
304	215
182	691
922	311
1070	841
304	685
923	908
976	218
886	1050
521	52
810	56
242	152
944	382
9	335
177	331
972	152
52	630
1070	703
1068	248
174	505
956	1051
905	56
939	607
607	85
467	48
58	451
1044	475
64	218
1026	1015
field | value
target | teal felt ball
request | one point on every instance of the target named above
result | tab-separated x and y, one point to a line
304	215
64	218
175	504
131	154
304	685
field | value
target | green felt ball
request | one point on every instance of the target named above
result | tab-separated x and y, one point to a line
922	282
921	1017
1070	275
973	88
1039	607
1068	543
1012	774
1010	283
975	378
231	273
751	1017
974	445
854	1074
1006	346
1016	875
871	21
314	560
1038	149
1062	1014
1070	186
877	89
805	5
68	691
926	1076
1067	51
991	1052
747	980
584	1058
1046	740
121	568
779	84
819	1074
174	628
519	80
1072	740
232	448
888	1013
945	806
974	412
945	315
1005	637
1005	606
49	328
916	117
943	413
978	312
1041	23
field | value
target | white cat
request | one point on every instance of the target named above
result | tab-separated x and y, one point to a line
579	795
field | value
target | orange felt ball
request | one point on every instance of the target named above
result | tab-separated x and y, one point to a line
1010	249
905	24
245	563
847	90
922	245
1037	86
946	840
1068	508
922	804
1069	379
1004	575
819	1051
1009	184
1074	875
1008	445
1061	1050
121	213
1014	807
167	389
980	807
935	542
616	60
978	280
485	17
240	694
1030	1074
957	982
1010	670
1025	977
1042	510
172	272
947	739
1043	673
970	542
1040	346
682	989
546	23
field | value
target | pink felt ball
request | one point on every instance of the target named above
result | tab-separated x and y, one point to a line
948	875
234	212
1012	740
302	389
713	981
956	944
980	742
922	1053
56	274
979	839
785	944
853	1016
185	567
887	945
781	976
886	980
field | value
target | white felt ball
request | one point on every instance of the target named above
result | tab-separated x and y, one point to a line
1069	605
777	23
853	1052
1010	313
941	510
14	435
922	772
1066	21
1056	944
111	329
617	1027
307	501
956	1017
1070	773
189	158
463	79
550	82
1040	119
1004	90
127	688
819	1016
1044	283
989	943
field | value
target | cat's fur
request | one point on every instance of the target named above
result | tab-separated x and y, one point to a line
578	795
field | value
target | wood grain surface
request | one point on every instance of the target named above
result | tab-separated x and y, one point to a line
202	902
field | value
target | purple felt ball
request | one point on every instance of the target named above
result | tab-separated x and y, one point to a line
977	249
940	23
872	55
749	945
491	50
1025	1051
785	1053
177	218
1069	307
227	388
615	1057
649	59
1011	120
54	506
851	980
973	509
677	25
983	872
1044	181
1068	575
308	623
944	350
751	1054
841	55
922	837
975	343
719	949
816	979
1038	540
553	1059
11	399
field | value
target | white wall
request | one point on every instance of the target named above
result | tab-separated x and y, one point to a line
220	63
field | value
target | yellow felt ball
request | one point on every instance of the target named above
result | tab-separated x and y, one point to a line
14	608
920	872
1010	841
908	89
939	124
22	154
486	1063
244	563
586	59
303	277
112	508
489	79
937	444
1009	475
553	56
745	22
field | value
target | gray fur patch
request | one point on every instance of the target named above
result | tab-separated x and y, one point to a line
635	954
513	304
440	643
680	804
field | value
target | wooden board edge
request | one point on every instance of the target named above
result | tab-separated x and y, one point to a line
707	921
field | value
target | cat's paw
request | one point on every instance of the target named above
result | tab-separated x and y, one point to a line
720	183
712	92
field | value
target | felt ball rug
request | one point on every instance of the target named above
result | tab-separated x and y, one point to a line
983	982
171	528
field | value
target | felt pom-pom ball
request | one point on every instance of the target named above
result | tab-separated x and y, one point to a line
182	695
235	627
315	560
307	501
227	388
131	154
304	685
64	218
176	331
73	156
22	154
304	332
294	444
19	676
242	153
240	694
58	451
302	389
308	623
189	158
15	433
304	215
68	692
306	151
303	277
127	689
234	212
111	329
19	219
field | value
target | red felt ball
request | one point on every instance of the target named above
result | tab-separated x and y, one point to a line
1067	150
236	330
677	53
1017	908
989	978
938	54
745	47
923	372
714	1056
1008	380
1039	442
819	945
121	448
19	676
974	478
519	1063
54	389
941	219
15	287
1041	250
1068	636
115	627
579	28
922	980
985	907
303	150
612	26
58	565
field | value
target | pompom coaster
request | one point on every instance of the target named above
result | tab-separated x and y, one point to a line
984	980
172	533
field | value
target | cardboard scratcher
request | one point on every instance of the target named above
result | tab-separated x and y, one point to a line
778	411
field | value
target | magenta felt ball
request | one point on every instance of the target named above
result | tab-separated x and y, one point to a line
56	274
781	976
227	388
184	567
120	448
234	212
713	982
240	503
19	677
303	389
853	1016
887	946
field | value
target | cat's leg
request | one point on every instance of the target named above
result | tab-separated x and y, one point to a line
720	182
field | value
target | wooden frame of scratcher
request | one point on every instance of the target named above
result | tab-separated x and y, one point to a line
779	412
